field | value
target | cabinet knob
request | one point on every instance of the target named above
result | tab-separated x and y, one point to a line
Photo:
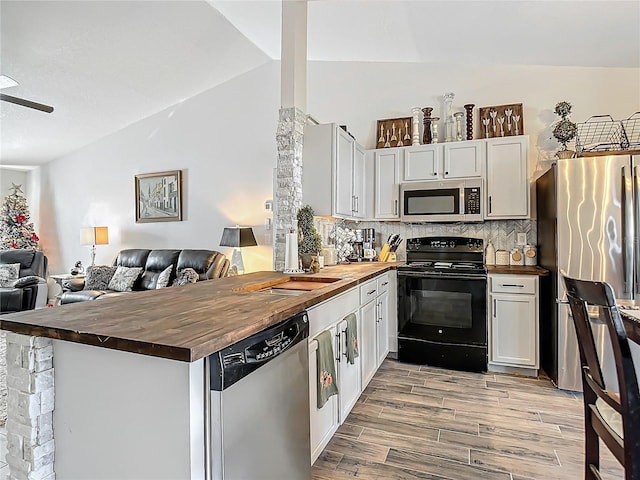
446	173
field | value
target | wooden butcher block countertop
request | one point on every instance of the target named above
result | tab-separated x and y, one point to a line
185	323
518	270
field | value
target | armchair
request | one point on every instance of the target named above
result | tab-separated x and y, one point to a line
29	290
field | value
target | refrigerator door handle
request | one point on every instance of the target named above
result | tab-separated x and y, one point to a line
627	233
636	238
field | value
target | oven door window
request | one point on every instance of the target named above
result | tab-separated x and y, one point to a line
441	309
444	201
445	309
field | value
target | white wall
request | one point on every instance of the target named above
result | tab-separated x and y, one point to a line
359	94
8	177
223	140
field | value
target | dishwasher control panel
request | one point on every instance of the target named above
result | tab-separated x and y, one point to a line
235	362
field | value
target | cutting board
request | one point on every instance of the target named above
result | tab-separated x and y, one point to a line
294	285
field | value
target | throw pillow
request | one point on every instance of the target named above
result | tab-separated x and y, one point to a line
124	278
163	278
8	273
25	281
186	275
98	277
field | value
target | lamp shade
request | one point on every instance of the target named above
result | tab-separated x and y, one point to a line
238	237
94	236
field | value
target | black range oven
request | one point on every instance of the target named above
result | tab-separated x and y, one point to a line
442	303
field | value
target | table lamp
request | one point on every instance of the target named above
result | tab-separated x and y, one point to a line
238	237
94	236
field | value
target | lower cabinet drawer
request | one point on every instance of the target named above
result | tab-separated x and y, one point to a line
383	283
325	314
513	284
368	291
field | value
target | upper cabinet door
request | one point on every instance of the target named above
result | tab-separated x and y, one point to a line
387	184
358	181
422	162
507	177
344	202
463	159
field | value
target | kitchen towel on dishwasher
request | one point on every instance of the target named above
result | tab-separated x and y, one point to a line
326	368
352	338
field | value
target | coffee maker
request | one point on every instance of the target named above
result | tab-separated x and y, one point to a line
363	245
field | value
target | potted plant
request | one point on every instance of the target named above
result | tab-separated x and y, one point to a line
565	130
310	242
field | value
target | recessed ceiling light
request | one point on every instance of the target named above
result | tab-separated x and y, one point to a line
6	82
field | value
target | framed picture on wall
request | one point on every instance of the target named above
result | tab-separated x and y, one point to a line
159	197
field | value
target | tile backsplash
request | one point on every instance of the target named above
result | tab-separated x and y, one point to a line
502	233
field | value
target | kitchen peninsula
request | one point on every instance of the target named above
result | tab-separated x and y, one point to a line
129	390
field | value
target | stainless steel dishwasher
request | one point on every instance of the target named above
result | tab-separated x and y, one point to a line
259	410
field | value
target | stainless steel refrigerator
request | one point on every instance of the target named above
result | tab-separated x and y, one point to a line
588	212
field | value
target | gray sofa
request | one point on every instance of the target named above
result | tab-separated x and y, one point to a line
31	289
207	263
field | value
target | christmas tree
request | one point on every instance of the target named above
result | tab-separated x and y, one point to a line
15	230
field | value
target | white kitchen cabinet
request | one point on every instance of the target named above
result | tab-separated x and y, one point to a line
358	181
513	321
344	203
463	159
422	162
323	421
375	315
507	178
348	373
329	315
382	328
333	177
368	339
440	161
387	184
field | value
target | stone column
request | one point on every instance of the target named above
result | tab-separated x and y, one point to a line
30	403
288	187
287	196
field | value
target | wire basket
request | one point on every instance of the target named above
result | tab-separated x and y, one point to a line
632	130
600	133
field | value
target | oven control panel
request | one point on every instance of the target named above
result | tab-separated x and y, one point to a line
444	243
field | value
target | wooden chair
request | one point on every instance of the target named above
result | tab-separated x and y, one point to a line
614	418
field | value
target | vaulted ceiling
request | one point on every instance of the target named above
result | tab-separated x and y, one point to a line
104	65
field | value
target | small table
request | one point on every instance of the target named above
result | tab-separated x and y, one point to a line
61	278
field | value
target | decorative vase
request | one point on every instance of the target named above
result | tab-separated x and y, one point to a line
314	266
415	133
434	129
449	122
562	154
458	117
426	120
305	259
469	110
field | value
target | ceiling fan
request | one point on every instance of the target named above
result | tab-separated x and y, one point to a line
6	82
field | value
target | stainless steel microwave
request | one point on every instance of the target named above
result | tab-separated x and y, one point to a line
442	201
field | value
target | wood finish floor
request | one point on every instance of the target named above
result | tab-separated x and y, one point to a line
416	422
